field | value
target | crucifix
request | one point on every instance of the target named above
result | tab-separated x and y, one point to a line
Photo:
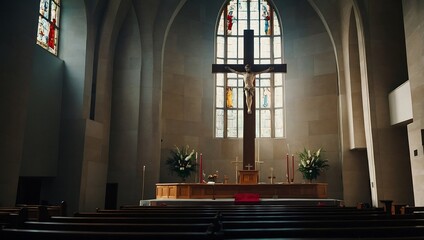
249	116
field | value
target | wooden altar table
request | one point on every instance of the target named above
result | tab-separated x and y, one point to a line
219	190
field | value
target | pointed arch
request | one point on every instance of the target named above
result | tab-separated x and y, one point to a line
366	103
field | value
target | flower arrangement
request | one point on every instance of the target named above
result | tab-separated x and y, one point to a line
182	162
312	164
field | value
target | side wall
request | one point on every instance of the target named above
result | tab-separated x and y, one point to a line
41	140
413	12
16	61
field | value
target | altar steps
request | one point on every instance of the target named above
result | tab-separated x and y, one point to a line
230	201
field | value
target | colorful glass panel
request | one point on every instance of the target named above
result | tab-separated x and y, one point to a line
48	25
45	8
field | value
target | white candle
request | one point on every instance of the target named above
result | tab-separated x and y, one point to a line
237	169
259	151
142	187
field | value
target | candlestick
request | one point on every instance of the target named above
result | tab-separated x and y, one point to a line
292	179
259	149
236	162
200	168
196	178
287	168
237	169
272	176
142	186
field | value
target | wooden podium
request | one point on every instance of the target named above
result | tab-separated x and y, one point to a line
249	176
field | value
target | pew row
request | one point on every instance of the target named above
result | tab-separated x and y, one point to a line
25	234
237	222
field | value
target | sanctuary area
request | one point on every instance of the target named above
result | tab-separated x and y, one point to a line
106	104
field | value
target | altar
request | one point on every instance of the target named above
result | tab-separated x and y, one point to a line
220	190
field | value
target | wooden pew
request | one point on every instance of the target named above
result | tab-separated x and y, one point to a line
146	215
25	234
396	232
176	219
321	223
242	211
42	212
414	210
357	217
121	227
38	212
13	217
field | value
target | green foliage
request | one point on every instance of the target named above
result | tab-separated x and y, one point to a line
182	162
312	164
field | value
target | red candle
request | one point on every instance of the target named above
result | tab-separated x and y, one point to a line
287	168
292	179
200	169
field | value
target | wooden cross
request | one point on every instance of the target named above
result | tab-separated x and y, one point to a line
248	166
249	119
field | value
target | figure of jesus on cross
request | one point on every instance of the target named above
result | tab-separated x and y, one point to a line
249	83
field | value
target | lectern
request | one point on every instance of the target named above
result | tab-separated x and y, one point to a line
249	176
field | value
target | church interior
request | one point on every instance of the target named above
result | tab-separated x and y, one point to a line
94	122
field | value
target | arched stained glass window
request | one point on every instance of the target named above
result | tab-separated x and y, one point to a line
259	16
48	25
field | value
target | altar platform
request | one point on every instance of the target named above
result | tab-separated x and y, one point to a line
223	191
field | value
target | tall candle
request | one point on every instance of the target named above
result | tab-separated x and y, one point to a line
201	168
258	151
287	168
142	188
292	179
196	178
237	169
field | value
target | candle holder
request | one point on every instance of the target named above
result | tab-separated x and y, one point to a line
272	179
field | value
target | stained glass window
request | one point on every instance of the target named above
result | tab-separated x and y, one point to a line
48	25
237	16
